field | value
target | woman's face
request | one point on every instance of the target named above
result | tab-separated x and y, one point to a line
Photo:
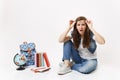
81	26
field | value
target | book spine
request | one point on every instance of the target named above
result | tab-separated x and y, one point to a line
42	59
46	59
37	60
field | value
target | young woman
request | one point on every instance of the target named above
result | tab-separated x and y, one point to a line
80	47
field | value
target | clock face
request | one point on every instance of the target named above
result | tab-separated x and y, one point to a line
19	59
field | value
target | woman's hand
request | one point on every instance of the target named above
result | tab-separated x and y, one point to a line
98	37
89	23
71	24
64	37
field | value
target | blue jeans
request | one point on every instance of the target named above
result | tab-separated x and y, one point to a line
81	65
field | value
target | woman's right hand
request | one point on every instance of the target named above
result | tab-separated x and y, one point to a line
64	37
71	24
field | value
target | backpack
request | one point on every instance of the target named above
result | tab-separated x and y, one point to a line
29	51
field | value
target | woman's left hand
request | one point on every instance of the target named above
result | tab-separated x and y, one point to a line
89	23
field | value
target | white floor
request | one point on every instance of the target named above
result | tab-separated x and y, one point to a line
103	72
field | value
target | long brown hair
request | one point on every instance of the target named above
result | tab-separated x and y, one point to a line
77	37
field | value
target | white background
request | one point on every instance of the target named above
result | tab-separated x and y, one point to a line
42	21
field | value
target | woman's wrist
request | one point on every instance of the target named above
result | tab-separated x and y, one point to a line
69	28
91	28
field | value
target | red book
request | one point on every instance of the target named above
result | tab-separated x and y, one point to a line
40	69
37	60
46	59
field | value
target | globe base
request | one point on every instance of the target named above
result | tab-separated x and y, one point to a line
20	68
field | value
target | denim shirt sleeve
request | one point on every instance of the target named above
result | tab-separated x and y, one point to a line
93	45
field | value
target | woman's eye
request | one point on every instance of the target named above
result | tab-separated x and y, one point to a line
83	24
78	24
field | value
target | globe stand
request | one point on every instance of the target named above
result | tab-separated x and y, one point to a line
20	68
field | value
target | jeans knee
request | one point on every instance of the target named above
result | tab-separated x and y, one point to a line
68	43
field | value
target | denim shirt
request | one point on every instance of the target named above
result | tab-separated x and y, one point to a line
93	45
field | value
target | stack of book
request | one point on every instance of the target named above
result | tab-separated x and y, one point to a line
42	62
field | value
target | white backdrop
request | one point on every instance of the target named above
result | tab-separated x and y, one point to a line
42	21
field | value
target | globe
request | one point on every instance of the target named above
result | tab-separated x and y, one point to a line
20	60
